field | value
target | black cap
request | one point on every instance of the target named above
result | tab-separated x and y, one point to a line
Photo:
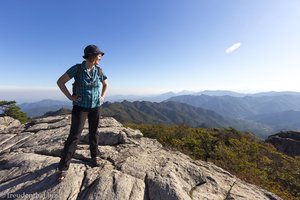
91	50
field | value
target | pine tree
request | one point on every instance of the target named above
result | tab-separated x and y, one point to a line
9	108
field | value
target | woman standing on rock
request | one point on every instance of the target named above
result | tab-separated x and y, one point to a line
86	99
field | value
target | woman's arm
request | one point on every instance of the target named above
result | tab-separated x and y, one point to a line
104	88
61	82
103	92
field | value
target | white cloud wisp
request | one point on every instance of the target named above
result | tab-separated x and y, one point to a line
233	47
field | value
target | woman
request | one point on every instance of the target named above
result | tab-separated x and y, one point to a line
86	98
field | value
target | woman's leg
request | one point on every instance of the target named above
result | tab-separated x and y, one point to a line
93	118
77	124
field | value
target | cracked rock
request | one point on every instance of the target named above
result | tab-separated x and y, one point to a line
135	167
7	122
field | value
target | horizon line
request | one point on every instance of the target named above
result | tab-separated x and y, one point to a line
121	92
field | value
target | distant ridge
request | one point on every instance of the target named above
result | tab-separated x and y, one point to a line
260	113
177	113
239	94
277	93
165	113
242	107
280	121
152	98
62	111
221	93
41	107
167	95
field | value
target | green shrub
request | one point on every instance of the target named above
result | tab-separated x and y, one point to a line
9	108
242	154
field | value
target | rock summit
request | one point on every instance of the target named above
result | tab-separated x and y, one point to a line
136	167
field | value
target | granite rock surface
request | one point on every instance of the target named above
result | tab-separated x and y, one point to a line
136	167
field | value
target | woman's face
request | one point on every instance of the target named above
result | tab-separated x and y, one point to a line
96	60
99	57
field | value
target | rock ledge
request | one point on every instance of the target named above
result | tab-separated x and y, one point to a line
137	168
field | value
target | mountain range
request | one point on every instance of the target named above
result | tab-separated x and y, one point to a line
261	113
164	113
167	95
242	107
39	108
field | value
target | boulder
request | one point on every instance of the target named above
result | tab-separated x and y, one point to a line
8	122
286	142
135	167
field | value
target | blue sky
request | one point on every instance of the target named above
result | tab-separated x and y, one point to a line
151	46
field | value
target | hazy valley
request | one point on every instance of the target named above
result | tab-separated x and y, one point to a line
262	114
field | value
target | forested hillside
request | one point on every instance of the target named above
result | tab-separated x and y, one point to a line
146	112
240	153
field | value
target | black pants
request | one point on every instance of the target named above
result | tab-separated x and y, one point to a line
79	116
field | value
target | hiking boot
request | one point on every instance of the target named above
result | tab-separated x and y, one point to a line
61	175
97	162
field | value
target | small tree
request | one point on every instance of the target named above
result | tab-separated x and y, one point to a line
5	104
208	144
9	108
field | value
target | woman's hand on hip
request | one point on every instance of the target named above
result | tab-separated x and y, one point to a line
75	98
